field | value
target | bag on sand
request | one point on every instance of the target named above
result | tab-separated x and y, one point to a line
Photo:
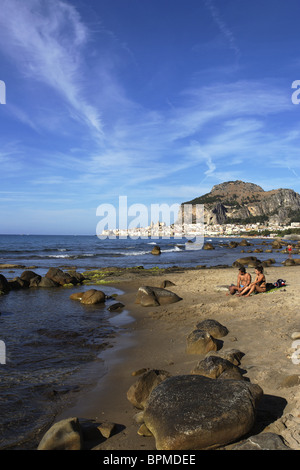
279	283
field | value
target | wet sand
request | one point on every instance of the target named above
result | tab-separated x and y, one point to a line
260	326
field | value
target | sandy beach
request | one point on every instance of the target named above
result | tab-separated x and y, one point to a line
260	326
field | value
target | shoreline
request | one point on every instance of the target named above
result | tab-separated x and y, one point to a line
107	400
260	326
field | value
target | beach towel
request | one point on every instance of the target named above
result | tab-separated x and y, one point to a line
275	286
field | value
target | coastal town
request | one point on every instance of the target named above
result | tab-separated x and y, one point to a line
161	230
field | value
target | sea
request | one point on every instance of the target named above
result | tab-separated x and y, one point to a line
51	347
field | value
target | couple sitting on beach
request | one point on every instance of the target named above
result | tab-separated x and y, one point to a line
245	286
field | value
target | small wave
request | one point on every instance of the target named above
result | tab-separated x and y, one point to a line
134	253
83	255
57	256
33	250
194	246
145	252
170	250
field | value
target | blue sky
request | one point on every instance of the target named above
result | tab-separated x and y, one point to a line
156	100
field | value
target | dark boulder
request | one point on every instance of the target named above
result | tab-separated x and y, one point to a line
46	282
156	250
200	342
246	261
166	283
18	283
192	412
213	327
153	296
263	441
139	392
233	244
78	276
116	306
34	281
63	435
28	275
244	242
4	284
208	246
217	367
92	297
60	277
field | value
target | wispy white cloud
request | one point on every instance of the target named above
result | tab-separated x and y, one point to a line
218	130
46	40
224	29
214	133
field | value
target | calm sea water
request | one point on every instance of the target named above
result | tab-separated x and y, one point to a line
53	344
89	251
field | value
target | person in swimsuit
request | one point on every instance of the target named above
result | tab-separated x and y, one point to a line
243	281
259	284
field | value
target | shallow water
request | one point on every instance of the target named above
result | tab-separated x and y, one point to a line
50	343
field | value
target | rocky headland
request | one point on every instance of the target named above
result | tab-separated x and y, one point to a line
239	202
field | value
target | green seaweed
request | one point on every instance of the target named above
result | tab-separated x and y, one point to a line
99	276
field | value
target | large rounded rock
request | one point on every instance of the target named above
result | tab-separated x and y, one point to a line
153	296
232	355
166	283
77	276
208	246
46	282
217	367
139	392
64	435
30	278
289	262
246	261
4	284
76	296
156	250
276	244
213	327
18	283
34	281
263	441
200	342
92	297
192	412
60	277
244	242
28	275
233	244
